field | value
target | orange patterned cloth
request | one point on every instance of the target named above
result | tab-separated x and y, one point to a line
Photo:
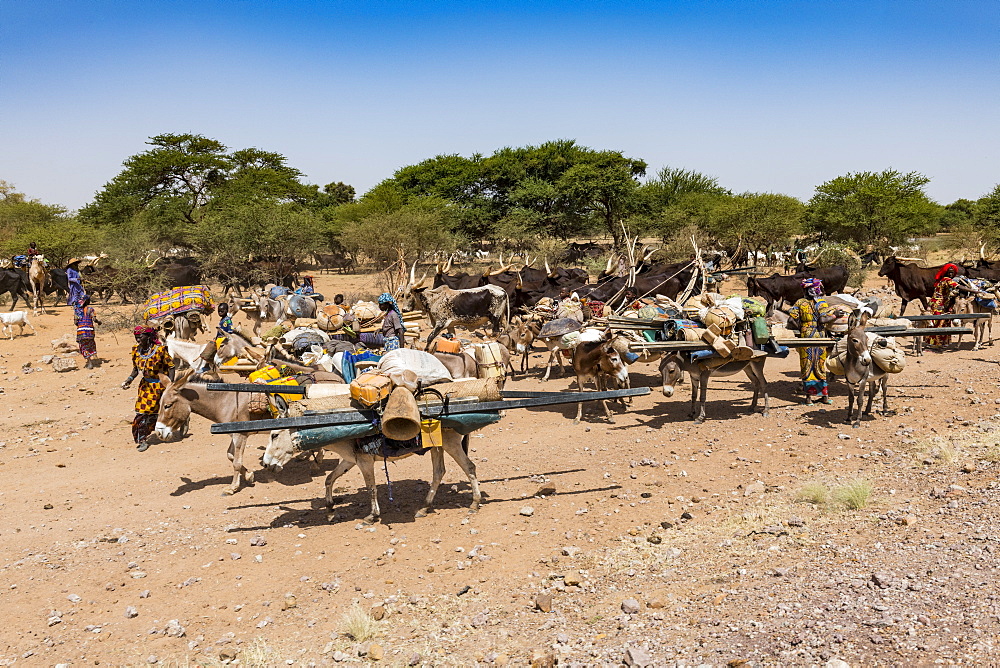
155	361
178	300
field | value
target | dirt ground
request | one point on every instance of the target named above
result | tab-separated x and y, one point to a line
648	541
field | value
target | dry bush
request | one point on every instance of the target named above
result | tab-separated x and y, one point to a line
815	493
257	655
853	495
358	624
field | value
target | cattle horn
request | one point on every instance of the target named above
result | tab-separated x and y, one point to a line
401	418
547	270
413	273
501	270
447	267
607	269
982	252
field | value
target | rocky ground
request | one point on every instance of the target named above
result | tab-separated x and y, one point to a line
787	540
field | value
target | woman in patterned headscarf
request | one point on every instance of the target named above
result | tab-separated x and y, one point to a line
393	331
808	315
945	291
151	358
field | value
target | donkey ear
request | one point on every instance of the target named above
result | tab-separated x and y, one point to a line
164	379
863	320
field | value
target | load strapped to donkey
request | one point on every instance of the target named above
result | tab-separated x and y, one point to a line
189	301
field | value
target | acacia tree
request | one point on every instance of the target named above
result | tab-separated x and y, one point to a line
756	220
873	207
173	186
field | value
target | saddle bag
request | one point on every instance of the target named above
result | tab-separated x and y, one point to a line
370	388
761	331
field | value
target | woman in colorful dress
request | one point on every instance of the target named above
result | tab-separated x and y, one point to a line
83	316
809	315
393	331
943	302
150	357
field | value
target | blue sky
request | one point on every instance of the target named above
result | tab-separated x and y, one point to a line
768	96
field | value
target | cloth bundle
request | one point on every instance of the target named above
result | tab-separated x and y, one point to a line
178	300
891	358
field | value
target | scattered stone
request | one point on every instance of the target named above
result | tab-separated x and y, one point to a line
227	656
837	663
48	506
378	612
667	525
174	629
543	602
479	619
414	659
687	516
781	572
375	652
630	606
795	521
843	437
754	488
637	656
131	612
570	551
548	489
527	511
881	580
657	601
152	658
906	520
54	619
542	659
655	539
289	602
969	468
74	598
258	541
62	364
572	579
339	656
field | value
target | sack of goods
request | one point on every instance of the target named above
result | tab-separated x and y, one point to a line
722	317
890	358
366	312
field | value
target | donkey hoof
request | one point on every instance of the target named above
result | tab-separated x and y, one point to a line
473	509
368	521
421	513
228	492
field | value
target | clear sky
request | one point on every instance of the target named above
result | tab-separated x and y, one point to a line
773	96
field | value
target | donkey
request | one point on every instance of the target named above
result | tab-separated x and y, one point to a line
519	338
970	304
187	394
861	372
673	365
595	358
281	449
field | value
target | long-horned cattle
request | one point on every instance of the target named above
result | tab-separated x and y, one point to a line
447	308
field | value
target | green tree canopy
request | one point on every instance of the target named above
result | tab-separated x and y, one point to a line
556	188
756	220
873	207
174	185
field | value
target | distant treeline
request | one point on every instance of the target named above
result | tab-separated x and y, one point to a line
193	192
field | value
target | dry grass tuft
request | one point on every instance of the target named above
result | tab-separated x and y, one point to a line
257	655
358	624
854	495
815	493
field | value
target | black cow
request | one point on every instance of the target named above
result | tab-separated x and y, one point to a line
578	252
14	282
777	289
912	281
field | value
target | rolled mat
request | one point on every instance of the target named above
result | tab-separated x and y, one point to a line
317	437
466	423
